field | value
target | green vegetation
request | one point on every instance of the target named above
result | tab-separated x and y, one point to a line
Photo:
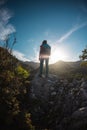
14	85
84	54
22	72
83	57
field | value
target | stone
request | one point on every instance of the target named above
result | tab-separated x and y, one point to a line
53	93
84	84
51	88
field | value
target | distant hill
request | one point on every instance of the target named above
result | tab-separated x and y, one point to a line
31	64
58	65
64	66
60	68
67	68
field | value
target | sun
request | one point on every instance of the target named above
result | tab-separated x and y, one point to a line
58	54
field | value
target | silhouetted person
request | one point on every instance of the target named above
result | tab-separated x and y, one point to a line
45	51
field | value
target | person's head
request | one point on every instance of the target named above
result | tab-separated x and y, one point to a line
44	42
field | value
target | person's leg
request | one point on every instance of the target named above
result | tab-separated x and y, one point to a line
41	67
47	68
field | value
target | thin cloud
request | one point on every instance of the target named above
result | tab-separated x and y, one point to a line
2	2
74	29
31	40
20	56
5	27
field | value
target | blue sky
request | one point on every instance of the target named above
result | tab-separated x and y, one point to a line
63	23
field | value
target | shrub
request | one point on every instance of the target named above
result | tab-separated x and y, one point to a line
22	72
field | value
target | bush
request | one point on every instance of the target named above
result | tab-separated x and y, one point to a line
21	72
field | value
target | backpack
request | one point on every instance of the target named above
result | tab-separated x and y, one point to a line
45	49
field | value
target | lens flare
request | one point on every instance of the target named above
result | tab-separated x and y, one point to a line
58	54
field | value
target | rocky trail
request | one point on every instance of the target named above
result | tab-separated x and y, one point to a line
59	104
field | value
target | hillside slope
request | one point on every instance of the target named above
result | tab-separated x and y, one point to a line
14	89
67	68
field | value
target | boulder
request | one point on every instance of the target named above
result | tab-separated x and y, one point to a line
41	86
78	120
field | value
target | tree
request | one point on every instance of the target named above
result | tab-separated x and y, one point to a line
9	42
84	55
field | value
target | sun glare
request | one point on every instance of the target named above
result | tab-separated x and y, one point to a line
58	54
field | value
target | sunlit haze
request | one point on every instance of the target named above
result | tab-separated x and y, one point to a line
58	54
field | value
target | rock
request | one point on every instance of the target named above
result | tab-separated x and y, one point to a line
80	113
65	82
41	87
51	88
53	93
53	77
84	84
83	94
51	102
79	120
83	80
71	85
75	82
